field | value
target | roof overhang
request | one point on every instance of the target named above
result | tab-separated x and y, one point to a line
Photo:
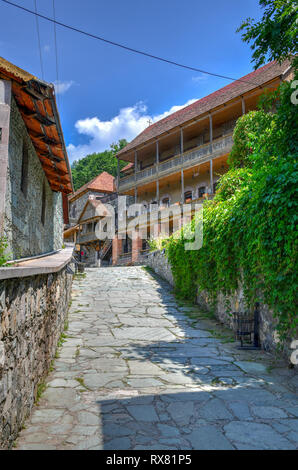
37	104
173	125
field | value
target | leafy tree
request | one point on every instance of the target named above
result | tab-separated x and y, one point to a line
274	37
89	167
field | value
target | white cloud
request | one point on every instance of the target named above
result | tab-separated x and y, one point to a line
199	78
126	125
62	87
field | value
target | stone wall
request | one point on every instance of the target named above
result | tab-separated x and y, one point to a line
159	263
27	235
5	101
32	316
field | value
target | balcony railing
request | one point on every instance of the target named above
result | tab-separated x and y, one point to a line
86	237
190	158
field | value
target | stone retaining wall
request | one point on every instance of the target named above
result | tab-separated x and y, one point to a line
32	315
159	263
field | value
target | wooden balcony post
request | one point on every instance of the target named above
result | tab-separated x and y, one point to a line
136	164
243	104
157	170
136	168
118	174
157	153
181	141
211	128
211	176
182	173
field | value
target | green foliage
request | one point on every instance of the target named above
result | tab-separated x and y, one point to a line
157	243
41	388
246	135
274	37
89	167
231	182
4	257
250	235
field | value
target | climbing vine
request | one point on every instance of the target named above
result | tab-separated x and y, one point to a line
4	257
250	228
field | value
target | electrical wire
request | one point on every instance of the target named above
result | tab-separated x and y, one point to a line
56	48
38	38
130	49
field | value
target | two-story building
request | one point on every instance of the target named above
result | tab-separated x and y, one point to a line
84	215
180	158
35	176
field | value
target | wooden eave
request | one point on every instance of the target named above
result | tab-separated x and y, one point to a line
74	197
36	102
128	155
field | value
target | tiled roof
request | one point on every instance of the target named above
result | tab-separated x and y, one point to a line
101	183
237	88
127	167
94	203
37	104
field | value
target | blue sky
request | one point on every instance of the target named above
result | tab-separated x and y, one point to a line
107	93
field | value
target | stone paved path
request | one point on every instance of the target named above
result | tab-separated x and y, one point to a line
138	371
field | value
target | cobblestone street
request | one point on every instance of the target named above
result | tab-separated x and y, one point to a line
139	370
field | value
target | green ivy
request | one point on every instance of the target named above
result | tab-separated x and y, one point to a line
250	228
4	257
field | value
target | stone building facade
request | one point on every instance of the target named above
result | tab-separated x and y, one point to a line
27	234
34	170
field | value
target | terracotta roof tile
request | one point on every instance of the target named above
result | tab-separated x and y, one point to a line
237	88
37	104
128	167
102	183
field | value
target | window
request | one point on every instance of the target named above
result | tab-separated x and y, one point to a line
127	245
43	204
144	207
145	245
24	176
202	191
188	196
165	201
73	211
153	206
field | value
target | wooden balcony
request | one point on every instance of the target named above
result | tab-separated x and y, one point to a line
200	154
86	237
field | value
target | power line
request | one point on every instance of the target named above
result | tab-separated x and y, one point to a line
56	49
38	38
130	49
